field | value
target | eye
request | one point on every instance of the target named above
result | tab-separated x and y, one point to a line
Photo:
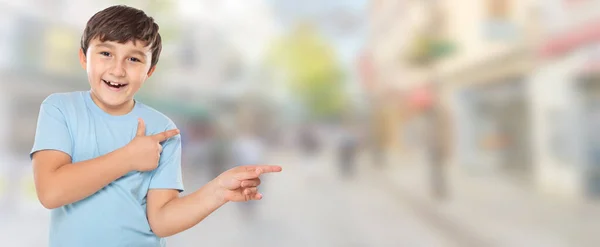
104	53
133	59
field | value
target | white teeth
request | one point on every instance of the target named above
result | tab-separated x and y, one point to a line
114	84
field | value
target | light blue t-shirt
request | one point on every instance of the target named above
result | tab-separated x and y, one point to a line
115	215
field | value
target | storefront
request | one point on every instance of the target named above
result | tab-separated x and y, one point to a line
588	87
566	106
565	90
496	131
491	113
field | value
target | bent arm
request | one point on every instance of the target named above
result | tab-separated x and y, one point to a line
59	182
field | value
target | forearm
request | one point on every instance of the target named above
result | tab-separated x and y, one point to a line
73	182
185	212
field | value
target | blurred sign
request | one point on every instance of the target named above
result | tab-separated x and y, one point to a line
498	24
421	98
498	9
425	49
571	39
500	30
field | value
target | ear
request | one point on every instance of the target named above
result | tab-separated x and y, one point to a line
82	59
151	71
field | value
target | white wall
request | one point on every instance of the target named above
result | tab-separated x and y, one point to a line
552	92
466	28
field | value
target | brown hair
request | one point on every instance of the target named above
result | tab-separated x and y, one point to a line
123	24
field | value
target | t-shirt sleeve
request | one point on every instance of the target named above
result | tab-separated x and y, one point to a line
168	174
52	132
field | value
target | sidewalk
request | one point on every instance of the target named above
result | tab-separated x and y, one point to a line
491	211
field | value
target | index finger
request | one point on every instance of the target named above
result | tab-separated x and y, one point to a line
265	169
252	172
163	136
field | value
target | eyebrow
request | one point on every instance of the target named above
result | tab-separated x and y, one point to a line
109	46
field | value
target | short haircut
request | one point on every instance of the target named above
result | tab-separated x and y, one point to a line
122	24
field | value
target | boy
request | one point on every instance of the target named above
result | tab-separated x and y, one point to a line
109	166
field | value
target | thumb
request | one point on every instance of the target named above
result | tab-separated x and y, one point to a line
141	128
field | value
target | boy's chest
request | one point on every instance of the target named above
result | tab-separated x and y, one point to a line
95	138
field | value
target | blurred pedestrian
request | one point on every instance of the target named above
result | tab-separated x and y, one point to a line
248	149
347	152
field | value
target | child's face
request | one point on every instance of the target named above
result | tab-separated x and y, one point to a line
116	72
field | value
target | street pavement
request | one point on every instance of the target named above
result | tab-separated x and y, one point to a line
308	204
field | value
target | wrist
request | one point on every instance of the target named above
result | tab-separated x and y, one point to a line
217	192
123	155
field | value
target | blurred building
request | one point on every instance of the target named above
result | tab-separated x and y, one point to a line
35	47
475	62
520	84
39	42
564	90
383	73
485	84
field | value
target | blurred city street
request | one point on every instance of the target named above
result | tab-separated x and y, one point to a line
302	207
397	122
310	203
313	206
486	210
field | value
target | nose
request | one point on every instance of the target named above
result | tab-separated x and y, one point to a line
117	69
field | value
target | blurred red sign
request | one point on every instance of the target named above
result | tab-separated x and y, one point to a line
570	40
420	98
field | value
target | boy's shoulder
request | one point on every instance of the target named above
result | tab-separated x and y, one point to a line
59	99
153	115
74	101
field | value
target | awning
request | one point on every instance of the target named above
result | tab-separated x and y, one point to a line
576	37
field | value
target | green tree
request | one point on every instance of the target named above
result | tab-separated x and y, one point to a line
313	72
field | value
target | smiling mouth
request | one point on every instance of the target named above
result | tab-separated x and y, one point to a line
114	84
